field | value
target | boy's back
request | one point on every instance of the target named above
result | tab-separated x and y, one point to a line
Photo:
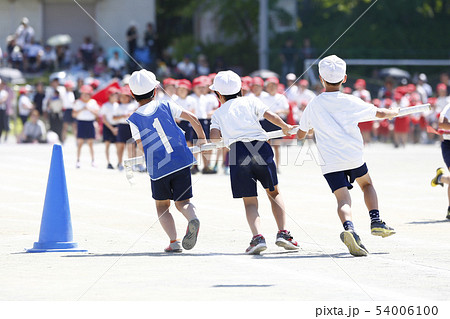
334	116
163	141
238	120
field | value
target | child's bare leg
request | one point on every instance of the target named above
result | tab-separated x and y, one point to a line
251	211
344	204
80	143
107	144
166	219
91	148
120	151
370	195
278	209
186	208
276	149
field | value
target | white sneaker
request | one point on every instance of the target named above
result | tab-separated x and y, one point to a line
77	165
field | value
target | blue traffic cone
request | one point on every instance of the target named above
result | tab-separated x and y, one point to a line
56	226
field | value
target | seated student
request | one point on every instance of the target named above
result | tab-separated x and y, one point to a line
334	116
33	130
251	157
168	158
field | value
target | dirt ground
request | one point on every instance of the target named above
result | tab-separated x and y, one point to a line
118	226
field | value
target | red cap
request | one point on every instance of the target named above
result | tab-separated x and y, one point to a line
245	86
23	90
257	81
410	88
303	82
387	102
247	80
69	84
441	86
414	97
206	80
432	100
401	90
211	76
376	102
360	83
281	88
184	83
169	81
125	90
113	90
398	96
86	89
272	79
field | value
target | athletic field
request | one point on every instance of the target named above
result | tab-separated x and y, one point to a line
118	226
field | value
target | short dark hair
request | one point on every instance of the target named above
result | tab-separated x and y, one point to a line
334	84
146	96
232	96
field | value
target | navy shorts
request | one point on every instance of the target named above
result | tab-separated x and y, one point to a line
108	134
251	162
345	178
67	116
85	129
188	130
176	186
124	133
206	125
445	148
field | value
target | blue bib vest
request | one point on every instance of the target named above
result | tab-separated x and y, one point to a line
164	144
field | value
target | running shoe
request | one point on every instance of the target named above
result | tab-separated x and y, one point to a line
110	166
257	245
190	239
207	170
174	247
353	243
285	240
78	165
194	169
379	228
437	179
120	167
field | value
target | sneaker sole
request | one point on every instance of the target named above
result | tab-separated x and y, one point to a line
353	247
174	251
286	244
190	239
382	232
257	249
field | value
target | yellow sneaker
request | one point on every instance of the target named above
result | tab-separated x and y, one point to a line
437	179
381	229
353	243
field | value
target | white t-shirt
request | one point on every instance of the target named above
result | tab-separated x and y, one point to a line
305	95
334	116
445	114
276	103
25	105
125	109
150	108
362	94
68	100
204	105
187	104
116	64
238	120
261	96
108	111
86	115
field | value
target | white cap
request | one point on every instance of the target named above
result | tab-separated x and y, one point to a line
226	83
142	82
332	69
291	77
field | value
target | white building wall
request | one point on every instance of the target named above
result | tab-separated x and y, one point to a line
115	17
12	12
